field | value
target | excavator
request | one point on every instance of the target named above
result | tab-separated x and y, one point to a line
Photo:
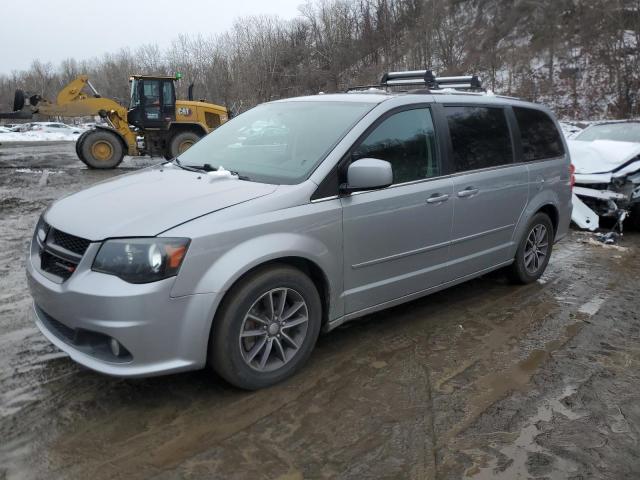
155	123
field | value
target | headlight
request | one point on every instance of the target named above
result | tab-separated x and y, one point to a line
141	260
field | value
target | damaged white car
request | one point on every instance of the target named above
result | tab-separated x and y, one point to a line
606	158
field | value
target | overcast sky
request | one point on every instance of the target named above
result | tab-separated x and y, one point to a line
52	30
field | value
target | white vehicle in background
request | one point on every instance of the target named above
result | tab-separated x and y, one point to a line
55	127
606	157
21	127
4	130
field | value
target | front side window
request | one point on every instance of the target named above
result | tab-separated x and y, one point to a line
135	98
539	135
280	142
407	141
479	136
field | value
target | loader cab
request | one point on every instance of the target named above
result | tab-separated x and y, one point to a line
153	102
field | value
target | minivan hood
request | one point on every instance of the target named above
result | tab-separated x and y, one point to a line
148	202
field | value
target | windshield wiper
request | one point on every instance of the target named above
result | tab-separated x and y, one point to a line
189	168
240	177
206	167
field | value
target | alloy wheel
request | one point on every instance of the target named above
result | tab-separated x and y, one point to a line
274	329
536	249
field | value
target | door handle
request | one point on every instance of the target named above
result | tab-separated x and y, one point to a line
468	192
438	198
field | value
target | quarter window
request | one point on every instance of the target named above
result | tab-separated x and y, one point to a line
539	135
407	141
479	136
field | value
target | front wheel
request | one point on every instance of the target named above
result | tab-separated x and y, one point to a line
101	149
533	251
79	142
266	328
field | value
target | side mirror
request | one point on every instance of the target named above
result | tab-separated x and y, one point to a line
368	174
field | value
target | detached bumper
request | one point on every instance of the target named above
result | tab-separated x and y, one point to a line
160	334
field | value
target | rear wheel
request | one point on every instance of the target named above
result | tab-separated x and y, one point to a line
533	251
266	328
181	142
101	149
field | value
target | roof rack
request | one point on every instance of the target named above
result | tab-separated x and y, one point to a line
423	78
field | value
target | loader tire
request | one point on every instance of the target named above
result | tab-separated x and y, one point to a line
101	149
182	141
79	146
18	100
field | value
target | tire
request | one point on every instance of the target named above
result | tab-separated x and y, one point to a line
101	149
79	146
633	223
241	360
182	141
18	100
528	266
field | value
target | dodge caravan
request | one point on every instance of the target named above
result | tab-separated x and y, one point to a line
293	218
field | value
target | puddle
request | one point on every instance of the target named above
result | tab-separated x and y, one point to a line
524	457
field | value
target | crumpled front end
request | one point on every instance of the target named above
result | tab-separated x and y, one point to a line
607	182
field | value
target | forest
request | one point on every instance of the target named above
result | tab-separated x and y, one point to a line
580	57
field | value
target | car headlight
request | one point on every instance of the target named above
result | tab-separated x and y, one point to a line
141	260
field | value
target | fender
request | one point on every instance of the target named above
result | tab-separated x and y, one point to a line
191	126
241	258
537	200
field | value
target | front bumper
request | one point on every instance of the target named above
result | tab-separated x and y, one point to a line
162	334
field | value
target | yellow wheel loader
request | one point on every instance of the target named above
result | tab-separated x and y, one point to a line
154	124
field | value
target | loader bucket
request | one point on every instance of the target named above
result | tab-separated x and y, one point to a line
18	105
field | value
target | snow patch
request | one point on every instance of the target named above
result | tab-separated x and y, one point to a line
35	136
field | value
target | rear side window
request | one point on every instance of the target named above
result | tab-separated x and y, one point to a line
479	136
539	135
407	141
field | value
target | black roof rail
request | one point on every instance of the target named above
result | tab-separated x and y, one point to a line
424	78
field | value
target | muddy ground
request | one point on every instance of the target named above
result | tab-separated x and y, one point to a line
484	380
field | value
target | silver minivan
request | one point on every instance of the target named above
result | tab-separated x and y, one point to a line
295	217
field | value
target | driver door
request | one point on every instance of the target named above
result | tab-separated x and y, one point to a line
154	103
396	240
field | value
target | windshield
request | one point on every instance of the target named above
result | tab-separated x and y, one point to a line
279	143
621	132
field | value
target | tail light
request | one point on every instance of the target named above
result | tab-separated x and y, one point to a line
572	176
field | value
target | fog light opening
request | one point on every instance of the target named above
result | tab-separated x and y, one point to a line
115	347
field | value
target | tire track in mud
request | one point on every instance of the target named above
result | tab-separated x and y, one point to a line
487	451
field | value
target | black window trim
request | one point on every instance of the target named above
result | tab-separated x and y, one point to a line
339	168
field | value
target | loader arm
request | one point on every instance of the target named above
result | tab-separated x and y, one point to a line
72	101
